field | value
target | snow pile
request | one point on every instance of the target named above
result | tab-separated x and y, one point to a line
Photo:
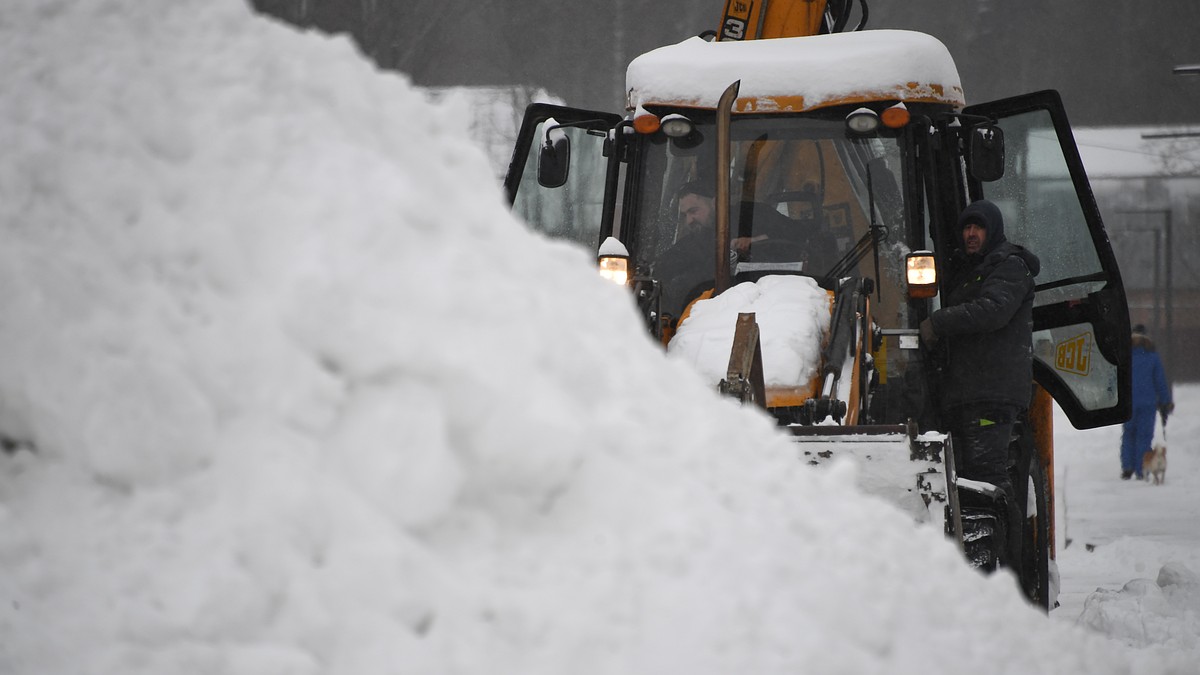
792	314
295	394
797	73
1162	611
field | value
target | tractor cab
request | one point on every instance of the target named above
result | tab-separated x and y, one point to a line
846	156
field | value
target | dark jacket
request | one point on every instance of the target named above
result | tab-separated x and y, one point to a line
687	267
1150	387
986	323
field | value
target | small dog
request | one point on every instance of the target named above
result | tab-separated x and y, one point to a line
1154	463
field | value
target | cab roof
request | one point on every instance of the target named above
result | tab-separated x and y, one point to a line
798	73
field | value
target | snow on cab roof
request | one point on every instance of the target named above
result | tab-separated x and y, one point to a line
797	73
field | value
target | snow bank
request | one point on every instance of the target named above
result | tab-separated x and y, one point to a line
297	395
1161	611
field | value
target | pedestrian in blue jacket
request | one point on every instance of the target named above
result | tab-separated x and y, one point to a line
1150	394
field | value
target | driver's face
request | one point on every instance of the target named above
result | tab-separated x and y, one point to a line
974	237
696	213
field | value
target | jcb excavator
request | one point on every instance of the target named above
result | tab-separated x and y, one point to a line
838	162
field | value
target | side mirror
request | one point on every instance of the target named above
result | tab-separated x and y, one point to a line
985	153
554	156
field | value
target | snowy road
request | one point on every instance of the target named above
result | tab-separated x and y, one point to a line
1119	531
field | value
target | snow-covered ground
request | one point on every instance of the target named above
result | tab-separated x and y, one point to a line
293	393
1129	551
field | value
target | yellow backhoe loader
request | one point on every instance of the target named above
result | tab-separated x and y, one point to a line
838	160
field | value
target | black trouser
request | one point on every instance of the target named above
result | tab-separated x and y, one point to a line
981	433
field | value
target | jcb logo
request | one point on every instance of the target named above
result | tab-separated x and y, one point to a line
1074	355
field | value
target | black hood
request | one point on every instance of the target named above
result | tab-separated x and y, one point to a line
997	246
988	216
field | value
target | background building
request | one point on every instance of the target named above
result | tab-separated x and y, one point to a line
1147	184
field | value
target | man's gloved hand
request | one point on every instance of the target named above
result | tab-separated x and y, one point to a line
927	334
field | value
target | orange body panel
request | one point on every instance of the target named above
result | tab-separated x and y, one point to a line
759	19
1041	418
788	397
912	92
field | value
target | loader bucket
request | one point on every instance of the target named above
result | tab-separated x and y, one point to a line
893	462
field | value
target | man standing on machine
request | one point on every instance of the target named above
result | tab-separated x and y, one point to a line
986	330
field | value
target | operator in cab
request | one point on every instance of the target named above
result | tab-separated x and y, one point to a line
687	267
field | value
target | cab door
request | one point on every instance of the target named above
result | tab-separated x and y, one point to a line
1080	316
573	210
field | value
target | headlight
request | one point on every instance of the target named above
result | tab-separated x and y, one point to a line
614	261
921	272
677	126
862	121
615	269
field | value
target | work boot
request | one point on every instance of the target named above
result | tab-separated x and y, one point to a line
1126	474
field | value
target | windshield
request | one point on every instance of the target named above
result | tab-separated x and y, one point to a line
805	198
